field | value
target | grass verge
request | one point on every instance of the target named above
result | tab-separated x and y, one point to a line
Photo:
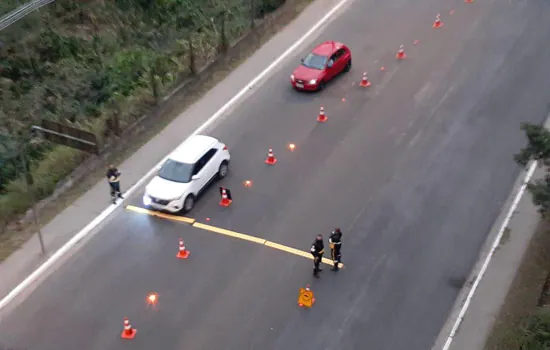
525	316
15	236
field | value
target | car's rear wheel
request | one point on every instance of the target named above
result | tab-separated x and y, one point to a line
348	66
188	203
223	170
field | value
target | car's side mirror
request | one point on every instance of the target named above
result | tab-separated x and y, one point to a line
330	64
195	177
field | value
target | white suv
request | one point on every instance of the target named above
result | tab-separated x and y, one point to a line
186	173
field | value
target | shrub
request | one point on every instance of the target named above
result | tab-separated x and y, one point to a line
537	331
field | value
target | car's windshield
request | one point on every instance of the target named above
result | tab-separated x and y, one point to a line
176	171
315	61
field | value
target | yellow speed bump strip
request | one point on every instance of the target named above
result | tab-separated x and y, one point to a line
190	221
261	241
222	231
229	233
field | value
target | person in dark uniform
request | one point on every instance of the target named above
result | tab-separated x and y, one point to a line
317	250
335	243
113	176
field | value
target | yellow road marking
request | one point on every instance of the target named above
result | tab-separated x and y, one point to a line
187	220
261	241
290	250
229	233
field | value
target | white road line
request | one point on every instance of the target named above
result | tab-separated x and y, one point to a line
92	225
494	247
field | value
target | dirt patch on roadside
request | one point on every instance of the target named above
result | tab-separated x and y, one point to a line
524	295
16	235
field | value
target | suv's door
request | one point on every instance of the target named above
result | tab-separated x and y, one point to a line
205	168
200	171
211	167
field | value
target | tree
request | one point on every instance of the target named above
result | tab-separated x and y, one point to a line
537	149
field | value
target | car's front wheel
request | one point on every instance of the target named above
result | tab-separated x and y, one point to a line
223	170
188	203
321	86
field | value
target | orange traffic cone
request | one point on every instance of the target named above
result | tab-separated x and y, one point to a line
183	253
438	23
469	1
322	117
270	158
225	202
128	332
401	53
365	80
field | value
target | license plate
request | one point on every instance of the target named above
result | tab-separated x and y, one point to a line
298	85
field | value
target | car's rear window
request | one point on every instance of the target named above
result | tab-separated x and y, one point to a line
315	61
176	171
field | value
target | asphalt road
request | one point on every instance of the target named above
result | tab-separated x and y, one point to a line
414	170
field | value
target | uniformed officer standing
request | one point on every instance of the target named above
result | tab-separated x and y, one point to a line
317	250
113	176
335	243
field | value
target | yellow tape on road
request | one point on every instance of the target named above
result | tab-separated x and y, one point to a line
229	233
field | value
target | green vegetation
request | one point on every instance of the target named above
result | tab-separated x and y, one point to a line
538	148
537	331
99	65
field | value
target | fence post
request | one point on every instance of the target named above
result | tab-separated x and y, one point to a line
223	35
192	67
154	84
29	181
252	13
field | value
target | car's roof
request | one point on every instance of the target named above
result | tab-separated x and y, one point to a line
192	149
327	48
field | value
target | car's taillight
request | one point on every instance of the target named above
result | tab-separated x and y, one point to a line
225	147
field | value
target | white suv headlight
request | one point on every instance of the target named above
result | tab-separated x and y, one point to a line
146	200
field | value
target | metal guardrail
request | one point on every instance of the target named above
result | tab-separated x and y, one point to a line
21	12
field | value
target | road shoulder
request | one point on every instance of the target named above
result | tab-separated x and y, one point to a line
493	289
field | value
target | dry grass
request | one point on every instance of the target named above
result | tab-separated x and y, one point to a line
524	293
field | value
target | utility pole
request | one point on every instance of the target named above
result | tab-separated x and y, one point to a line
30	190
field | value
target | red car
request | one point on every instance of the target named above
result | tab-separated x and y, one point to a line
325	62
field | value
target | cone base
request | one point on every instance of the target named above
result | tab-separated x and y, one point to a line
270	161
438	25
129	335
302	305
363	84
183	255
322	119
225	202
401	56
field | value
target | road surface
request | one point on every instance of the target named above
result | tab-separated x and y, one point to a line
414	170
